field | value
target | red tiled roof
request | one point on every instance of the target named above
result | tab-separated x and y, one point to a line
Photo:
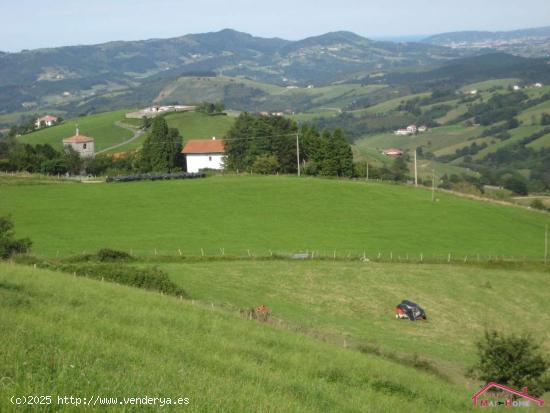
78	139
48	118
203	146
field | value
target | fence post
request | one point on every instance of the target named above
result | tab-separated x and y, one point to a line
449	257
179	251
202	252
421	257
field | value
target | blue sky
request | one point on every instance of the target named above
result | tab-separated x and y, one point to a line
33	24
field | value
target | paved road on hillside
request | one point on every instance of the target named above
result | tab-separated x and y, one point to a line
137	134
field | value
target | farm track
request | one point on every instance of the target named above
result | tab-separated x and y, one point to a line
137	134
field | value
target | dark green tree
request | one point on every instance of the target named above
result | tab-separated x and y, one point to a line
8	244
161	149
399	170
514	361
266	165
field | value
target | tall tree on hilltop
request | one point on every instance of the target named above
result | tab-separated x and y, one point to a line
343	153
161	149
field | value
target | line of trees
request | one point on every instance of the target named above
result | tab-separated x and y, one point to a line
161	152
267	144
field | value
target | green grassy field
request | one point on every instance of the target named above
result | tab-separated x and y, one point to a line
355	301
436	139
69	336
282	214
101	127
196	125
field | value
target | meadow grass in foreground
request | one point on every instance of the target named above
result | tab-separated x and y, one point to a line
237	214
69	336
356	301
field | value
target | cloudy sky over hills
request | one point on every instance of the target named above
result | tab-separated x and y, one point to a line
33	24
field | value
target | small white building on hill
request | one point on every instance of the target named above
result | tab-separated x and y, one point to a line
204	154
84	145
47	120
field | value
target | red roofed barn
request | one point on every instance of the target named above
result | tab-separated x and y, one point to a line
204	154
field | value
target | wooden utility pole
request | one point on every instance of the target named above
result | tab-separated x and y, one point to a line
433	185
367	170
415	170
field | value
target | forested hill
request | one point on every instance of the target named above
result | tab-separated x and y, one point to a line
525	42
77	73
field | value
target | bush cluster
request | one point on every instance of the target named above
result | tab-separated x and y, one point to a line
147	278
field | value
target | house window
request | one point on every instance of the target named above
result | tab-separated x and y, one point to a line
83	146
209	158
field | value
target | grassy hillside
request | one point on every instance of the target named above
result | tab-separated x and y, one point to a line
254	96
195	125
101	127
283	214
64	335
437	139
356	301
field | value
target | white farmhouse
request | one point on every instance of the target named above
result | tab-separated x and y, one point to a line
84	145
47	120
204	154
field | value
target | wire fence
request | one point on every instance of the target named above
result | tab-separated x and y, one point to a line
325	255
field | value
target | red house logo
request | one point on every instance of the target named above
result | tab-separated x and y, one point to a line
504	397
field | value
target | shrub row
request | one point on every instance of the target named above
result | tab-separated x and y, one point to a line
147	278
155	177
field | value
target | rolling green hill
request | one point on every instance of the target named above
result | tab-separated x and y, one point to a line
101	127
282	214
196	125
355	300
69	336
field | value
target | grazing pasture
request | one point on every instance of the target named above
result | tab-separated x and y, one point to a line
255	215
69	336
101	127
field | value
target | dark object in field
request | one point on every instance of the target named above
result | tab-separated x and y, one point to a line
156	177
260	313
410	310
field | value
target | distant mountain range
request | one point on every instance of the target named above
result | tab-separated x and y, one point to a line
71	75
525	42
84	79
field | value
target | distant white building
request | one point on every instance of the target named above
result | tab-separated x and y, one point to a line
47	120
516	87
204	154
412	129
538	84
84	145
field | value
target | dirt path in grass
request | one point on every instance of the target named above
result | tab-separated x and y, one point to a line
137	134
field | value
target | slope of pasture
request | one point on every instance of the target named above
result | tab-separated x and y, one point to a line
101	127
542	142
356	300
196	125
433	140
517	135
391	104
489	84
191	89
69	336
532	116
282	214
